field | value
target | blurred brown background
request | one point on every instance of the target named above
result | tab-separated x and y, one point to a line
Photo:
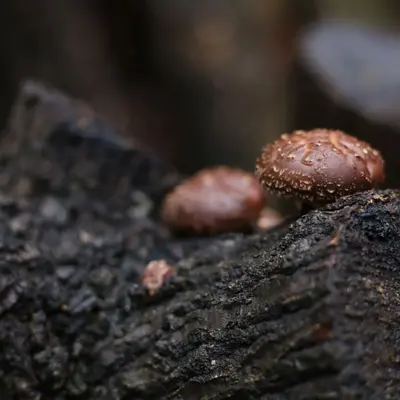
209	82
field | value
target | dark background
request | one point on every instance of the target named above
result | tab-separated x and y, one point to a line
204	82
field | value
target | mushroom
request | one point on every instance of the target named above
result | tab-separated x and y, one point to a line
214	200
155	274
357	65
319	166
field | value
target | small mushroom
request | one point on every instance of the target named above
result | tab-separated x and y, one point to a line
215	200
319	166
155	274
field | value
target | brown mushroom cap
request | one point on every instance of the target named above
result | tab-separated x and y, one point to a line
319	166
218	199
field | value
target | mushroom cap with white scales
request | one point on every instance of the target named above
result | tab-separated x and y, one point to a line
319	166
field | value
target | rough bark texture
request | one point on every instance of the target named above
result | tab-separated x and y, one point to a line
306	311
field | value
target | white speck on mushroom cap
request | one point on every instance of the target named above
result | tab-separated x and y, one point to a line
319	166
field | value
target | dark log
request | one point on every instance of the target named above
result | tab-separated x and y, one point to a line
309	310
